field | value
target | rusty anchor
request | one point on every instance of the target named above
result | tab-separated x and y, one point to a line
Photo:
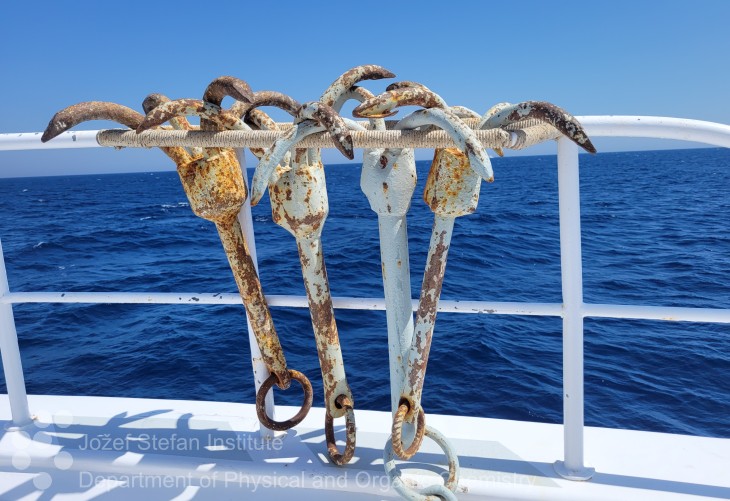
299	204
388	180
448	161
391	202
216	190
452	190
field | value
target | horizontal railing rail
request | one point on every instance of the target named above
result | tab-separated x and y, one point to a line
573	309
593	310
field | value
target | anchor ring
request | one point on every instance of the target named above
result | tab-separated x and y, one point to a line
397	432
339	459
433	492
294	420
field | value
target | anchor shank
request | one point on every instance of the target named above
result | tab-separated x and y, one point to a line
252	295
397	287
323	322
433	278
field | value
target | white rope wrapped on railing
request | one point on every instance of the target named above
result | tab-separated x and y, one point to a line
495	138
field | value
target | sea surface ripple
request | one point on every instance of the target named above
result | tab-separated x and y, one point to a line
655	231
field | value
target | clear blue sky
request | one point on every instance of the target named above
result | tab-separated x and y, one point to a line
666	58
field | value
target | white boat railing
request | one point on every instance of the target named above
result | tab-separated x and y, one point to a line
573	309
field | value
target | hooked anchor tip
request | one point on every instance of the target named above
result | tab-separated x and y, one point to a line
588	146
256	196
367	110
49	133
152	101
346	147
228	86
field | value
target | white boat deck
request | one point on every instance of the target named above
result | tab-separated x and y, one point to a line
122	448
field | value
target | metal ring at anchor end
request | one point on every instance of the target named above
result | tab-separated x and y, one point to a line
294	420
350	430
397	432
430	493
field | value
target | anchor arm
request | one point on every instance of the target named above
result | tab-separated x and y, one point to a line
505	113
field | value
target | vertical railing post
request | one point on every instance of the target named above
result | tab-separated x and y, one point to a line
572	466
12	366
260	371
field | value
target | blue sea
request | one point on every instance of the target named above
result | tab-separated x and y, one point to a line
655	231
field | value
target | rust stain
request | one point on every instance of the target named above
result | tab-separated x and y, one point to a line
352	76
265	98
382	106
345	403
551	114
428	304
327	117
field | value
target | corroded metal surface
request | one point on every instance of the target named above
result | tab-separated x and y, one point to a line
388	182
258	120
380	106
296	418
266	98
214	186
300	205
399	420
505	113
349	78
191	107
333	95
452	190
357	93
224	86
431	493
268	164
216	190
350	432
218	89
327	117
102	110
389	187
462	135
412	93
452	187
87	111
152	101
393	199
438	101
